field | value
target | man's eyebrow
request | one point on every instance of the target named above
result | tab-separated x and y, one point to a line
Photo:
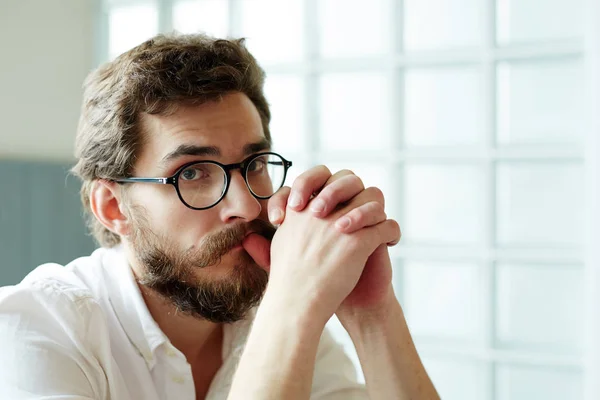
251	148
202	151
190	150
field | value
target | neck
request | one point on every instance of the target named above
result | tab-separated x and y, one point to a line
192	336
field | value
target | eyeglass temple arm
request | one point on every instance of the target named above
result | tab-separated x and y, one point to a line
163	181
284	163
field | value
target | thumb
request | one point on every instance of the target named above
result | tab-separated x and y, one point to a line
259	249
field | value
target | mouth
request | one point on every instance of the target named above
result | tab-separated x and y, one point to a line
239	245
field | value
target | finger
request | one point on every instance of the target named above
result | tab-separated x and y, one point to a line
277	204
306	184
339	174
389	232
366	196
386	232
398	237
259	249
376	194
339	191
368	214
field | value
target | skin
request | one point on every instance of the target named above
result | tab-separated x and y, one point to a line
334	268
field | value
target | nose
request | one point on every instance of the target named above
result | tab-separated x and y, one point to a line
239	203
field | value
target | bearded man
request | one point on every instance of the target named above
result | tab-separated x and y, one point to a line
194	293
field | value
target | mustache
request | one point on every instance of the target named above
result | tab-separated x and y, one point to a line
216	245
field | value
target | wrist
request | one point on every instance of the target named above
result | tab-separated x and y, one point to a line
290	309
387	353
380	332
372	319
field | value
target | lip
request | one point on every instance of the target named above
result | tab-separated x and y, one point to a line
240	246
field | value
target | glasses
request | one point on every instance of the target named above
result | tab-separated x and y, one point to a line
203	184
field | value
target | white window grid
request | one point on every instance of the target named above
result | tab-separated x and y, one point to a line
486	156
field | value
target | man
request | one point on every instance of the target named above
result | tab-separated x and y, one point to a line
174	152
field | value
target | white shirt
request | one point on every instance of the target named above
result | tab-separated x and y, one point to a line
83	331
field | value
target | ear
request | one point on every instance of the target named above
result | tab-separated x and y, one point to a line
105	203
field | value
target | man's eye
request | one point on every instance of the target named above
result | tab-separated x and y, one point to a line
256	165
191	174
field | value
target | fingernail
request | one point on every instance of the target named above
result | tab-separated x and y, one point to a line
317	205
275	215
294	200
343	223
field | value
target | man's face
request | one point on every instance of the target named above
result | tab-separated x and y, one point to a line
194	258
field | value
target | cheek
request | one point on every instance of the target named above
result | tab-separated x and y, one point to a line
187	226
154	196
170	218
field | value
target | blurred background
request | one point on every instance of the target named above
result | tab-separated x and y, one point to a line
479	119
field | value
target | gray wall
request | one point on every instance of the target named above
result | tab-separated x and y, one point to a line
40	218
46	50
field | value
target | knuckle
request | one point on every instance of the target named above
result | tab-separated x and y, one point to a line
326	195
330	190
336	189
285	190
344	172
299	181
356	216
376	193
306	181
368	214
397	230
302	184
392	229
377	217
280	195
343	183
323	169
376	207
337	176
356	181
275	204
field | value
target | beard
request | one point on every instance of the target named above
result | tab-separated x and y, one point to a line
172	272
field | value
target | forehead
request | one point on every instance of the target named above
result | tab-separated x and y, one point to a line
228	124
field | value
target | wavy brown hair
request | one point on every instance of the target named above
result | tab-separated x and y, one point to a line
154	78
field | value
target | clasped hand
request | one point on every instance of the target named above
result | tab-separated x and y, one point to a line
329	254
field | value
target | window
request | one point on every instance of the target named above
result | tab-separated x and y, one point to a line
471	116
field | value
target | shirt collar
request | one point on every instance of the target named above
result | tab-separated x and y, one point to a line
129	306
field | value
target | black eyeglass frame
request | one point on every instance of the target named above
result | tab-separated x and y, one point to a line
242	166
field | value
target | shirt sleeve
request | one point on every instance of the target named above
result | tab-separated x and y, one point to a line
335	374
41	353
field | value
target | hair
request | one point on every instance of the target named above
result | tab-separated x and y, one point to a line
155	77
